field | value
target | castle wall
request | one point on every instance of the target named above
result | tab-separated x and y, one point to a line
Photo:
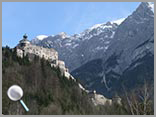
47	53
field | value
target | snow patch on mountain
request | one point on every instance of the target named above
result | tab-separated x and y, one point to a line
75	45
38	38
103	25
41	37
95	26
113	33
68	44
99	48
119	21
63	35
151	6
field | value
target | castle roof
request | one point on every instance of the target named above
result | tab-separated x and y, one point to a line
24	40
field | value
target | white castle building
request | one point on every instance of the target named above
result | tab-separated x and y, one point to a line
26	48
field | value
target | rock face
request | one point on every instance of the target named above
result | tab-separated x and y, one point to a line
80	48
107	55
93	43
133	46
129	59
133	37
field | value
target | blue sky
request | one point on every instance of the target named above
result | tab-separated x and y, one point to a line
50	18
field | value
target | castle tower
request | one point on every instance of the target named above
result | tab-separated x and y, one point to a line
24	41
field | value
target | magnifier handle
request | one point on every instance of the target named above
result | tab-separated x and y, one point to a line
23	104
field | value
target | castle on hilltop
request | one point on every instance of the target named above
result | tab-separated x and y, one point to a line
26	48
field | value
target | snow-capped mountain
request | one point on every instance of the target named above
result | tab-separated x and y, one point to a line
39	38
136	29
110	51
80	48
129	59
151	6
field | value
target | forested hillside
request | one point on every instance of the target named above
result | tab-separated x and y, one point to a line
46	92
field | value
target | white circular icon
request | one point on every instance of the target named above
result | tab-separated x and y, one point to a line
15	93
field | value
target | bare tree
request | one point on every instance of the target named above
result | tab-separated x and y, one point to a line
139	100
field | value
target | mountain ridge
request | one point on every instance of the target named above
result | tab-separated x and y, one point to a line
129	53
72	49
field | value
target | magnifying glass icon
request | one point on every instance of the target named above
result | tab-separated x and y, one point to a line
15	93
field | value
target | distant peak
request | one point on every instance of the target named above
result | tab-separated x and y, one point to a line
63	35
119	21
41	37
108	23
96	26
149	5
